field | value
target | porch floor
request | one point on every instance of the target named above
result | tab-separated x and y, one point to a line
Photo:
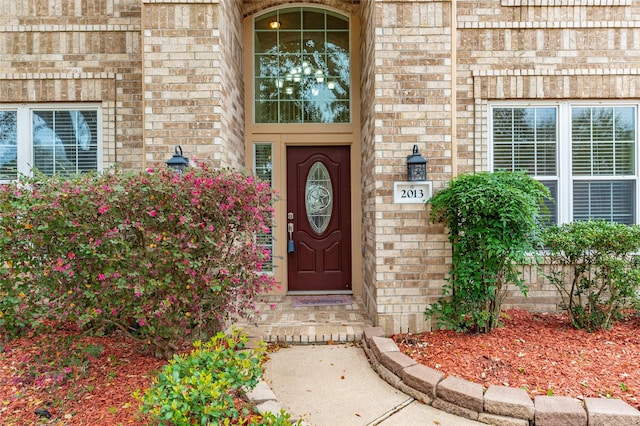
278	321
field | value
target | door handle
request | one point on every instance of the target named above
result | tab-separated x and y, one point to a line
291	247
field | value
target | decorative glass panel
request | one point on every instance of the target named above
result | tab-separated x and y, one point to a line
318	197
8	145
305	52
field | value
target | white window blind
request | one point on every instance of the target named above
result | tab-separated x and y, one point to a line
525	139
64	141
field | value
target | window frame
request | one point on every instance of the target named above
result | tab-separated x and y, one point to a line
24	123
302	8
565	177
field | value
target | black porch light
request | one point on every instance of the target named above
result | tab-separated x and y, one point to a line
416	166
178	162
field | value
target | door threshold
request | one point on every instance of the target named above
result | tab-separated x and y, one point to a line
318	292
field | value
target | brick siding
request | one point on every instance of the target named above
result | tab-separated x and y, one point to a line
169	72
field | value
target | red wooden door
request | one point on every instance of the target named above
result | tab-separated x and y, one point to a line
319	218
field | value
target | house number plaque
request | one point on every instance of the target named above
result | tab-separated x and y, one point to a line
411	192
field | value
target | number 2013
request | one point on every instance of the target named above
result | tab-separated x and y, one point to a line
412	193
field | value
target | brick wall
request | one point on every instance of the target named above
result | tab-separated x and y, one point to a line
368	156
169	72
408	256
64	51
582	50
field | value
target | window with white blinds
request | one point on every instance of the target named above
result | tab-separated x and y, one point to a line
57	140
263	168
585	154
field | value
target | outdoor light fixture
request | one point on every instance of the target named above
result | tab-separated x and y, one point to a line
178	162
416	166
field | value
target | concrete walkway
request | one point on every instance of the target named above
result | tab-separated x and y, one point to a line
335	385
325	377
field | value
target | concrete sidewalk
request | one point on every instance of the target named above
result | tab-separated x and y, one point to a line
335	385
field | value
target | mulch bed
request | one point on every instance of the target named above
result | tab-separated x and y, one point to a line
541	353
94	385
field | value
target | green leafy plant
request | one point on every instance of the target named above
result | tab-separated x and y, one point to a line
595	267
199	387
493	221
164	257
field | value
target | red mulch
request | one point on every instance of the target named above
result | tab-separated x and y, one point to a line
92	388
541	353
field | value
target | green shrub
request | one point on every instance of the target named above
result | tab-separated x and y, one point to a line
595	267
160	255
199	387
493	221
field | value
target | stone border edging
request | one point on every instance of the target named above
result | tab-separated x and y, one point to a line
498	405
266	401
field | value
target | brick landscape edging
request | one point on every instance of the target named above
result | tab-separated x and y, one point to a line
498	405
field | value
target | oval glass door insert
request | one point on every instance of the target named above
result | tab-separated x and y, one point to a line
318	197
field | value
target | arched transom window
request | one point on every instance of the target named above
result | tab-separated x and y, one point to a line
301	66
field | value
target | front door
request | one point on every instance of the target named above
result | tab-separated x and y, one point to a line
318	218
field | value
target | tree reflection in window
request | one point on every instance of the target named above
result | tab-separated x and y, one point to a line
302	75
8	145
60	142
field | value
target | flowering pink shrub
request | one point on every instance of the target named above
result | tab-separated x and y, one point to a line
162	255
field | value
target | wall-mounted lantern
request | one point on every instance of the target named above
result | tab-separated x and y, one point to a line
178	162
416	166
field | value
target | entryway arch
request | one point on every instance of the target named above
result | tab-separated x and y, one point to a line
302	105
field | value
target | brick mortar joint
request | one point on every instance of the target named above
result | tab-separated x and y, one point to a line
61	76
73	28
590	72
382	361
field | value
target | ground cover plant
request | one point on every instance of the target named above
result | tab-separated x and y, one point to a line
493	219
202	387
161	256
